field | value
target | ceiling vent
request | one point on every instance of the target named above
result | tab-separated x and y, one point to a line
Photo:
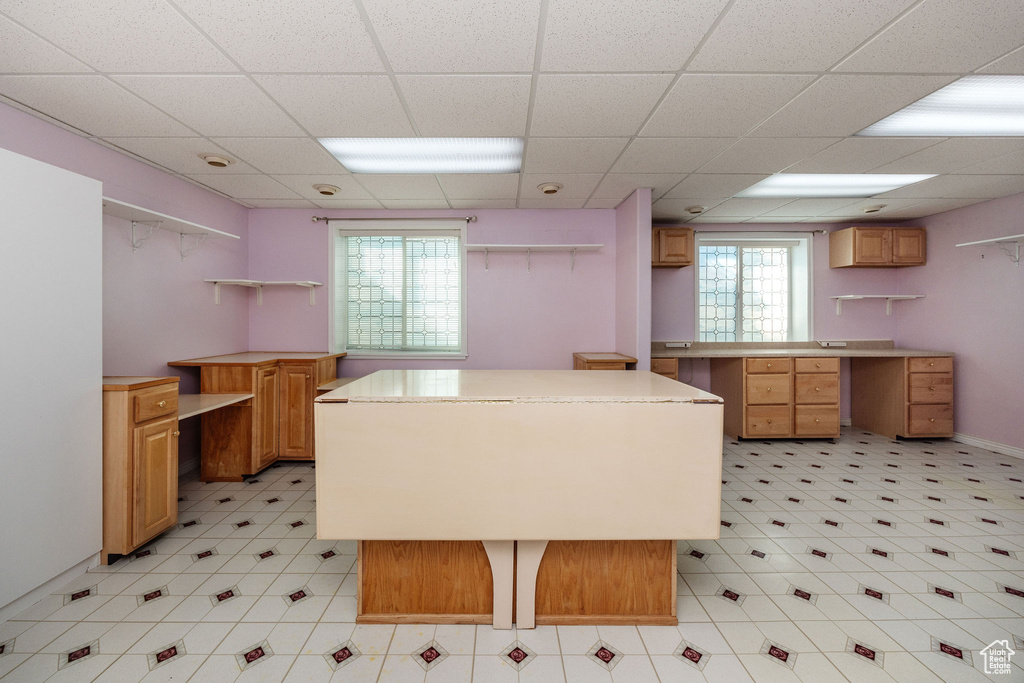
874	209
216	161
549	188
696	210
327	190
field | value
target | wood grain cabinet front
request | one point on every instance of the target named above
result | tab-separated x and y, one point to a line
876	247
908	397
298	389
666	367
140	462
671	247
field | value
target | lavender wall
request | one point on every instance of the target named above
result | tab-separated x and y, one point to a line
633	277
516	318
972	306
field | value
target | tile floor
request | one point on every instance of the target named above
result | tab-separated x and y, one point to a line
859	560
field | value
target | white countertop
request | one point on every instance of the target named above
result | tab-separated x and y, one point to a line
854	349
517	386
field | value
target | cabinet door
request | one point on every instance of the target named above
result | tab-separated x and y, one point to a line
908	245
674	247
266	416
297	393
872	246
154	479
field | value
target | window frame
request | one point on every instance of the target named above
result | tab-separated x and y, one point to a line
338	329
801	285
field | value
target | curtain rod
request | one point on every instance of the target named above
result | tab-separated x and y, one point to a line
468	219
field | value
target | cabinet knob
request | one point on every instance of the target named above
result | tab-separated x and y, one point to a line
931	364
817	388
931	388
176	432
931	419
817	365
769	388
769	365
161	404
817	420
769	421
307	376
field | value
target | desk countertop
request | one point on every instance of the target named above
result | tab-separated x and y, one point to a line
516	386
126	383
256	358
854	349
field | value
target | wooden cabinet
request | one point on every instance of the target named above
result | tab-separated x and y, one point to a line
671	247
778	397
277	423
140	461
876	247
603	361
666	367
908	397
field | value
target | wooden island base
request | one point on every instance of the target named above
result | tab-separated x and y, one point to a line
578	582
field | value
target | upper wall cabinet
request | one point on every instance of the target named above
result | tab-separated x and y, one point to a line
875	247
671	247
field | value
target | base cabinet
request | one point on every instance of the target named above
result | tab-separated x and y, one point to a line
298	389
908	397
140	464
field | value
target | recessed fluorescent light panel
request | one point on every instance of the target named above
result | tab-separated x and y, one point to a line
800	185
972	106
427	155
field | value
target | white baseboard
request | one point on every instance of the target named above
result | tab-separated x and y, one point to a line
846	422
186	466
19	605
989	445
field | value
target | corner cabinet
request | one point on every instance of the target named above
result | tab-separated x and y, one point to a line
876	247
140	461
908	397
671	247
276	424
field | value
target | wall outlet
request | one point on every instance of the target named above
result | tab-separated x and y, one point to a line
677	345
827	344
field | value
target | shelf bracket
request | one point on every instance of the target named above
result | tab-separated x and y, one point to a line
216	294
528	260
1013	252
572	268
487	263
888	306
200	238
839	306
138	241
259	295
312	295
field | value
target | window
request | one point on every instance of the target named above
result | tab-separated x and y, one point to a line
753	287
399	289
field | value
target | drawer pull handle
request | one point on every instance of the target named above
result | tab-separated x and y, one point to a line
931	365
161	404
817	365
769	365
817	420
769	388
931	419
769	421
176	432
817	388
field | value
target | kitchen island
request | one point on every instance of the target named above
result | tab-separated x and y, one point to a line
574	486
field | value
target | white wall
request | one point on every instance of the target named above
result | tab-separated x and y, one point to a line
51	353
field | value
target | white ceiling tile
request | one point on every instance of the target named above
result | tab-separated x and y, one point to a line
214	105
414	204
325	203
572	155
1008	185
341	106
621	185
970	34
714	185
847	104
298	35
1012	63
740	102
467	106
856	209
676	208
555	202
397	186
930	207
1012	163
796	35
952	154
669	155
717	219
245	186
860	155
348	188
479	185
770	218
578	186
482	203
446	36
181	155
22	51
744	208
282	155
118	36
605	105
596	203
809	207
641	35
281	203
92	104
950	187
765	155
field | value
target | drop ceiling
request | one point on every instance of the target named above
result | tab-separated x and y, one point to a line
697	100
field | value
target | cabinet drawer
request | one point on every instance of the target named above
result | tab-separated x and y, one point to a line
930	364
605	365
816	388
930	420
665	366
816	420
929	387
767	389
155	402
817	364
767	421
765	365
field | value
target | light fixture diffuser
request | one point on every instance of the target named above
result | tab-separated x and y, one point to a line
427	155
983	106
802	185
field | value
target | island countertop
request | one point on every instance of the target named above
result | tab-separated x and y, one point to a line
853	349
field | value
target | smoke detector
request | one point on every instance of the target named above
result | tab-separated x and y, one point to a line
216	161
549	188
327	190
874	209
696	209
